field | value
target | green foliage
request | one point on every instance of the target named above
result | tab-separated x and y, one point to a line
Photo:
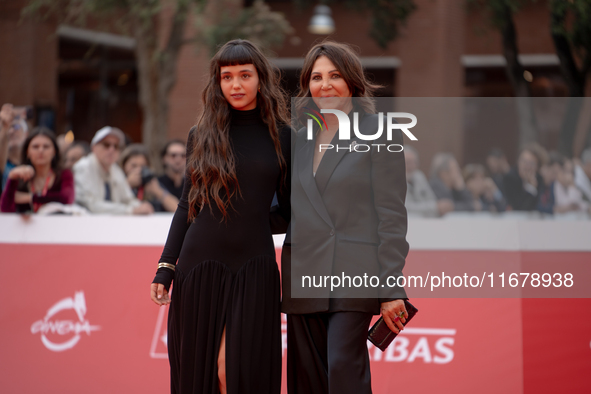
498	10
257	23
66	11
575	26
387	17
77	12
571	19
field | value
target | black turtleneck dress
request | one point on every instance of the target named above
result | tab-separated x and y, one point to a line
227	274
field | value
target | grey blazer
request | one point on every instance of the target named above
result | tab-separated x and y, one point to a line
349	220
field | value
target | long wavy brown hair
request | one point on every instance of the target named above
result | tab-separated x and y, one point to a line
211	161
345	59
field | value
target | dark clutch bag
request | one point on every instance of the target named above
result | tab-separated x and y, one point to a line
381	336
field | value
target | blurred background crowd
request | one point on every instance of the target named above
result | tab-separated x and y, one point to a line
69	68
42	173
47	174
540	182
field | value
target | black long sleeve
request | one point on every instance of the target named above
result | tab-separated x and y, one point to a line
280	214
178	227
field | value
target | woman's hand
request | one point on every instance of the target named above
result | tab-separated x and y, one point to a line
391	311
159	294
24	172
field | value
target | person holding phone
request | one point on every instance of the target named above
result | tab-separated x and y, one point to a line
348	217
224	322
40	178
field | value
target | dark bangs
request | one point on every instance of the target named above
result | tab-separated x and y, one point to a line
235	53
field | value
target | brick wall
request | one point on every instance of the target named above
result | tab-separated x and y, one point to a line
28	69
430	49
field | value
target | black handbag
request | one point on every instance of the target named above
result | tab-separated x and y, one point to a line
381	336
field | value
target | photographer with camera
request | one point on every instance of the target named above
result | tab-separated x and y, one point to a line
135	162
101	186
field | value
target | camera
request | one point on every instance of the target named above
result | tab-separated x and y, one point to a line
147	175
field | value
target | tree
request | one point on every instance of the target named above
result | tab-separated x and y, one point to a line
157	56
570	27
500	13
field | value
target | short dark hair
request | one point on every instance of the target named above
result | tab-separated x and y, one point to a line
164	150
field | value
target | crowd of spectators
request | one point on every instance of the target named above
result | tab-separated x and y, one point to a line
113	177
547	183
44	175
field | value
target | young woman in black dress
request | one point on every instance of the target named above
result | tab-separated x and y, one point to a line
224	328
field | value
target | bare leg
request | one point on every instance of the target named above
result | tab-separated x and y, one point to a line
222	363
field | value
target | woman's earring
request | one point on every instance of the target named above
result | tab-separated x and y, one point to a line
259	88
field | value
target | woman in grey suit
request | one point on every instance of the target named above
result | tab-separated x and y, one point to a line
348	221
